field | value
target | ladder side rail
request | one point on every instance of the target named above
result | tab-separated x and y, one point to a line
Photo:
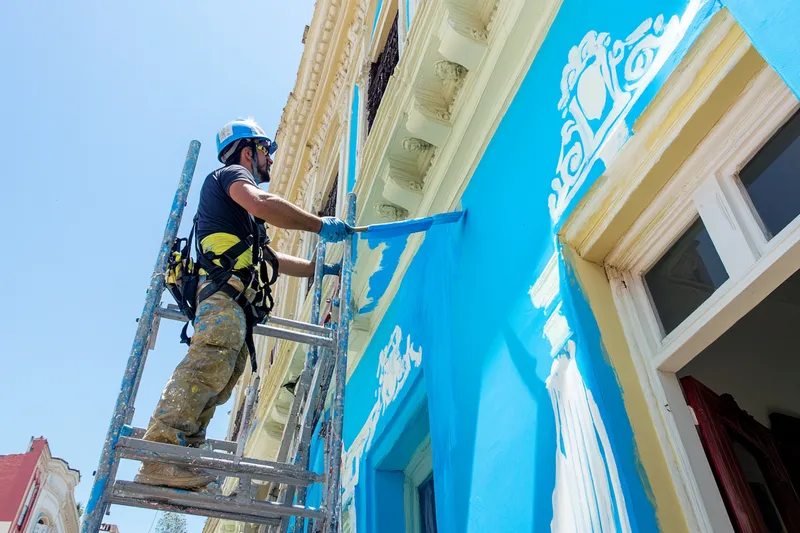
318	526
251	398
309	421
251	393
333	503
106	469
292	432
302	387
318	405
301	449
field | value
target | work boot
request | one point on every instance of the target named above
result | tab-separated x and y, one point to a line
174	476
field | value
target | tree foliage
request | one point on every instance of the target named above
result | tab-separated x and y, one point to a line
171	523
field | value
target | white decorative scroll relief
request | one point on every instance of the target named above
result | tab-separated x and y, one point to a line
588	494
394	367
599	84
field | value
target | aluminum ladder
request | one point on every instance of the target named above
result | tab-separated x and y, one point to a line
287	479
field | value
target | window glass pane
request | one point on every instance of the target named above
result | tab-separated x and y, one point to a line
772	178
427	507
685	277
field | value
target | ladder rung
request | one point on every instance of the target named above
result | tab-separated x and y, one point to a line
217	462
221	445
324	340
172	312
139	495
305	326
305	338
129	501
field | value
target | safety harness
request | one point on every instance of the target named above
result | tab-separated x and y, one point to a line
184	275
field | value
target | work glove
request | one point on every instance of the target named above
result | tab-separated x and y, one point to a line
334	229
332	270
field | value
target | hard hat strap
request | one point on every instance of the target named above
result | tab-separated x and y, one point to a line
255	160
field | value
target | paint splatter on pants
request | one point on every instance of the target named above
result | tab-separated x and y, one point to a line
206	376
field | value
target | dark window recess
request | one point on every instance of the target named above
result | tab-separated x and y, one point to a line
328	210
380	72
685	277
772	178
427	507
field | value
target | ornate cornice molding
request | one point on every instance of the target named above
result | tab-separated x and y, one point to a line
336	31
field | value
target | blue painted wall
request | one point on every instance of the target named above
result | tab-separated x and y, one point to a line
465	336
772	27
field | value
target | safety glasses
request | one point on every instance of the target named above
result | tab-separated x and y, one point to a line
267	146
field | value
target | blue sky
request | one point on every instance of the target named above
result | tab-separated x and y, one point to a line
98	104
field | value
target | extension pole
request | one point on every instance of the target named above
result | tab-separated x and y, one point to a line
106	469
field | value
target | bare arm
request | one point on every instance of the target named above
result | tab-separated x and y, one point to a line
294	266
273	209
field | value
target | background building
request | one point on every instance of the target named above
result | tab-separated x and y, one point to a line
571	357
36	492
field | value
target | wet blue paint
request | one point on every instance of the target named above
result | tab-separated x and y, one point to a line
388	230
379	281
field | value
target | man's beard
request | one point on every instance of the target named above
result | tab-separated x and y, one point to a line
263	173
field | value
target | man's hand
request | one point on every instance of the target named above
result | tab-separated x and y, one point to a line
334	229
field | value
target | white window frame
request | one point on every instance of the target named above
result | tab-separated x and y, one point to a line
419	468
26	507
707	186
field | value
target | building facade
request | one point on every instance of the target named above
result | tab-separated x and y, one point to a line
37	492
572	356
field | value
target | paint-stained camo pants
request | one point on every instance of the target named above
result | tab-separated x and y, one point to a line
206	376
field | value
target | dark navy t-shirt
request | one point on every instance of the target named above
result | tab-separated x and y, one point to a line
217	211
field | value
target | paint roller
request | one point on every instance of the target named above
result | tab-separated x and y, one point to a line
406	227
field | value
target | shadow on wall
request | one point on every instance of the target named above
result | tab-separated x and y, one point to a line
545	472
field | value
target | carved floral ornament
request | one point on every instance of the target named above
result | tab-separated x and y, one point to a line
414	145
599	85
390	212
449	71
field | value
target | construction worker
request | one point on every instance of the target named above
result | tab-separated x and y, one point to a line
228	222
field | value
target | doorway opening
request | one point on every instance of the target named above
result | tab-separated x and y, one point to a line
744	396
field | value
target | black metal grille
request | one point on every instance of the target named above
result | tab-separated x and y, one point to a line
329	209
380	72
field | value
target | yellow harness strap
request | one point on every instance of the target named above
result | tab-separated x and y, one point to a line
219	243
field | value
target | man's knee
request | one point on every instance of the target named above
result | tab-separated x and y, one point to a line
220	322
207	367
